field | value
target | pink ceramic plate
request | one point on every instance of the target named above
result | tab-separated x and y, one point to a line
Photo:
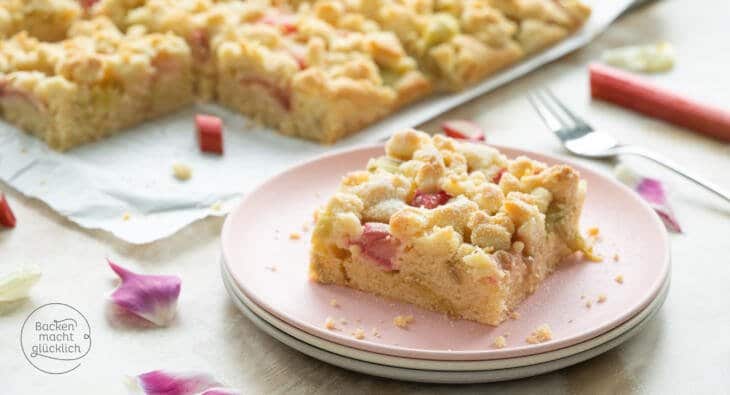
270	268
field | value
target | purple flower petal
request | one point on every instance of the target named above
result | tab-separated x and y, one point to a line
160	382
151	297
653	192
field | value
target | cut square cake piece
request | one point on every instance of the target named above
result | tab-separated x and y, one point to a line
458	43
452	226
47	20
320	73
197	21
542	23
93	83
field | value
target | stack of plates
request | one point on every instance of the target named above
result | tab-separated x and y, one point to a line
265	272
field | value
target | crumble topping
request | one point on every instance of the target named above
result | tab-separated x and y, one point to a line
541	334
295	236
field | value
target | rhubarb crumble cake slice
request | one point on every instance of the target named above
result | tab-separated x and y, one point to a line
93	83
320	73
452	226
47	20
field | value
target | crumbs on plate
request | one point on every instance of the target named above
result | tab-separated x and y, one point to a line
540	335
402	321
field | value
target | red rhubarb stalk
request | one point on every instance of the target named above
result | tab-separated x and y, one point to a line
7	219
632	92
210	133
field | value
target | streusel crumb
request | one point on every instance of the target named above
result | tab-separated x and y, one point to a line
499	342
294	236
619	279
402	321
602	298
182	171
359	334
540	335
329	323
514	315
594	231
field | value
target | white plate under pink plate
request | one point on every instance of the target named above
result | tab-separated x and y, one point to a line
270	267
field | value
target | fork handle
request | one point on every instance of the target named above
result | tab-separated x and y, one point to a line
701	181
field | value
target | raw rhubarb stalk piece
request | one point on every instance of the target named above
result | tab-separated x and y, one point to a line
7	218
210	133
626	90
463	130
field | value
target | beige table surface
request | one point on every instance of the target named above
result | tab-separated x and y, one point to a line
686	349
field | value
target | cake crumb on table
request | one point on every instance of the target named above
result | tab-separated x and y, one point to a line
343	321
359	334
334	303
402	321
216	206
375	332
294	236
499	342
514	315
616	257
126	216
602	298
182	171
619	279
589	304
593	231
271	268
541	334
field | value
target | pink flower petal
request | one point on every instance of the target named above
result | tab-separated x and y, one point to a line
160	382
152	297
463	130
653	192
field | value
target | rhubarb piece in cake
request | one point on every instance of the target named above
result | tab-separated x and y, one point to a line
93	83
47	20
320	73
475	251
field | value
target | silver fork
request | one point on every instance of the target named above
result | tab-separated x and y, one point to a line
581	139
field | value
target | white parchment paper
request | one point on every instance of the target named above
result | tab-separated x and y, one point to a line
124	184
